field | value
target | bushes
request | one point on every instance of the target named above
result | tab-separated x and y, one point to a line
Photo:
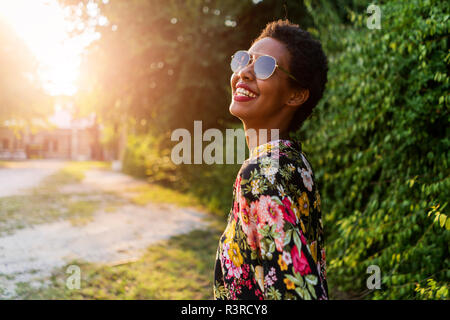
149	157
145	157
380	143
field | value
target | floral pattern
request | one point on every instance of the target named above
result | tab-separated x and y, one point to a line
272	247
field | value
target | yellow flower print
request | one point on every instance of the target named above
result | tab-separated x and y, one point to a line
235	254
267	147
313	249
289	284
244	217
302	226
282	264
261	149
259	275
229	233
297	212
303	202
317	202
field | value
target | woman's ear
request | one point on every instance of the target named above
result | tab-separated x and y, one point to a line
298	97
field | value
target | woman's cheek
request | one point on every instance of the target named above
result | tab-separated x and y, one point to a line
233	79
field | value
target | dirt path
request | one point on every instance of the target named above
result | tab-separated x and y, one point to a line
23	175
30	254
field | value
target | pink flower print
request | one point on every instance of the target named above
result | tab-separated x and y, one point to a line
288	214
300	262
270	278
270	212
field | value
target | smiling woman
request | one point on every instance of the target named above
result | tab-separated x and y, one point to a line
44	26
273	246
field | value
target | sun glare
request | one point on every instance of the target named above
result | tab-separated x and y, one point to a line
44	27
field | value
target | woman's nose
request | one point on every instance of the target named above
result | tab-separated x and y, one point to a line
247	72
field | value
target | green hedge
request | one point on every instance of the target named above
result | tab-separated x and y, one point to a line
380	144
149	157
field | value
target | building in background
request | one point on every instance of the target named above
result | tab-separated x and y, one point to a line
80	140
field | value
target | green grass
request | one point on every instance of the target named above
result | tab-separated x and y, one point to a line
159	194
45	204
18	212
72	172
179	268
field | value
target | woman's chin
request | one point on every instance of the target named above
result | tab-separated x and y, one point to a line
238	110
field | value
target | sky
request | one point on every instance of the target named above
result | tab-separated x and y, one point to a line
44	26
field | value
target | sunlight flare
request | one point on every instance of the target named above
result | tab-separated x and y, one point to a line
45	27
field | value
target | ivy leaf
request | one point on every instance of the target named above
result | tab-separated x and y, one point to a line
442	220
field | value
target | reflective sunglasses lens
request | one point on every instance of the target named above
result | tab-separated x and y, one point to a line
264	67
240	60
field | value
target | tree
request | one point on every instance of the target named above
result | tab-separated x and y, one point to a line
380	142
21	95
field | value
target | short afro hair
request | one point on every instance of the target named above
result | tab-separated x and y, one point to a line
308	64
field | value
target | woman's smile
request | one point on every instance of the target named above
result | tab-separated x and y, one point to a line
242	97
243	93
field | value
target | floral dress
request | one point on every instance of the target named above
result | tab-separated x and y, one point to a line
272	247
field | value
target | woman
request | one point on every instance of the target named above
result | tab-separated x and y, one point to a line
272	247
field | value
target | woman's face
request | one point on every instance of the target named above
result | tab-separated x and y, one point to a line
271	94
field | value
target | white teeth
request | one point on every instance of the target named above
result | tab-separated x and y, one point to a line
244	92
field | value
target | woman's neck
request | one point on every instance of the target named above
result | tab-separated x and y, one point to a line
260	136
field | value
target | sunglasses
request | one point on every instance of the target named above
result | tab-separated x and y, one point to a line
264	66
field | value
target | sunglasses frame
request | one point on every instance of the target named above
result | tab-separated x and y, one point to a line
275	60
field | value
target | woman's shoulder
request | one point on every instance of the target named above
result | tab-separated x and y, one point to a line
274	156
282	170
